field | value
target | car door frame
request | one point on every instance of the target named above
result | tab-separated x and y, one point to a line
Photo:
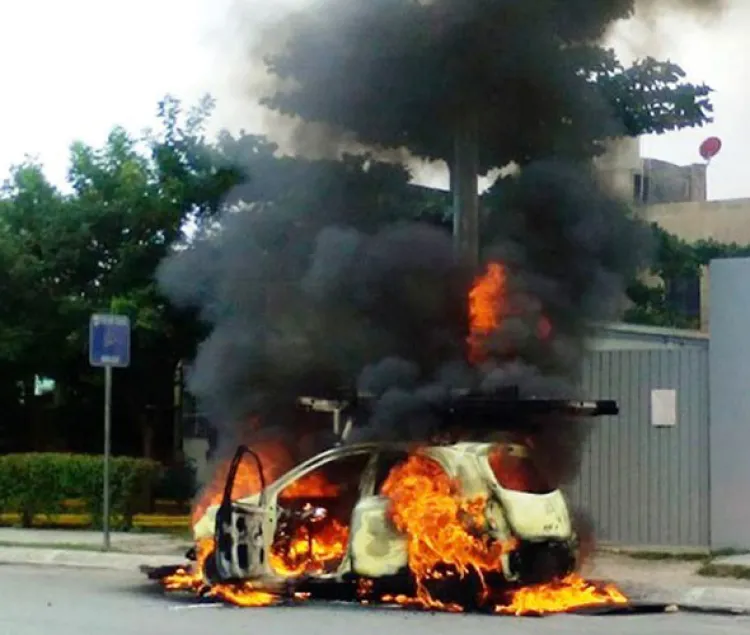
274	489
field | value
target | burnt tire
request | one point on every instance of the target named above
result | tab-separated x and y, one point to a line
466	591
541	563
210	569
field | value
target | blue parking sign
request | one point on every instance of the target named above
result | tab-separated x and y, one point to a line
109	341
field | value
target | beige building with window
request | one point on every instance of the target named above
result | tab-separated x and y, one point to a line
674	197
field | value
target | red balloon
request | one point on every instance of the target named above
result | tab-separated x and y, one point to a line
710	148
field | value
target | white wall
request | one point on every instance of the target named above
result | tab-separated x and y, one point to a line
729	430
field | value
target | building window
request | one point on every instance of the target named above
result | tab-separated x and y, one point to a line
641	187
637	187
684	296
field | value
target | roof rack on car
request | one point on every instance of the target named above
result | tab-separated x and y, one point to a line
470	409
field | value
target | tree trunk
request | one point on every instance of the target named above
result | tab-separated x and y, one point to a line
177	429
464	170
147	434
29	404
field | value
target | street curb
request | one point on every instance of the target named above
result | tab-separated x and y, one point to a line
709	599
114	561
716	599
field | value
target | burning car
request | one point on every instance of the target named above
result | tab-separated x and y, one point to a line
446	525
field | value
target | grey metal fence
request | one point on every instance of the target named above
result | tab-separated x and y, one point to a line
645	485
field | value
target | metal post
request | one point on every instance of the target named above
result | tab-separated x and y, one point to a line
107	447
465	189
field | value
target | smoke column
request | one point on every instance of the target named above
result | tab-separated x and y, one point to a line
309	292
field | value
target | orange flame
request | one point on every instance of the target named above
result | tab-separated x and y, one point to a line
275	459
312	548
191	579
316	544
444	530
488	306
447	539
485	305
572	592
313	485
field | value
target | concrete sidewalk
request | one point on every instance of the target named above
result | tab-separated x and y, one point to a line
135	543
671	582
85	549
83	559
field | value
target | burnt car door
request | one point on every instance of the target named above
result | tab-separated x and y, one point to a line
376	548
240	551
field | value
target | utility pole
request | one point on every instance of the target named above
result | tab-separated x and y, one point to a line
465	190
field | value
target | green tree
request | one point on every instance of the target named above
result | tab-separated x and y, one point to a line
37	243
63	257
403	73
676	264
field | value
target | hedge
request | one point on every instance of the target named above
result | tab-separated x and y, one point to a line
40	483
145	522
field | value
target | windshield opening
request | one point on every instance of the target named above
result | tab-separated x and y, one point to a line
514	469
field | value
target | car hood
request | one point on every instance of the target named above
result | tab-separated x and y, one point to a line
537	516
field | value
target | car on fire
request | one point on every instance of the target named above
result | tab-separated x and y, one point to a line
330	519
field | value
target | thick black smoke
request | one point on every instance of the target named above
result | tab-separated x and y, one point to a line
299	306
306	294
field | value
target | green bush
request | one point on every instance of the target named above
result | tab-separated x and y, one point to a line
33	484
178	483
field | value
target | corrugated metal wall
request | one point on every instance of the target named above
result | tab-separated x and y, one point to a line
645	485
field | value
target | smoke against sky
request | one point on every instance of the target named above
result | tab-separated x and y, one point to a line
256	30
194	46
305	295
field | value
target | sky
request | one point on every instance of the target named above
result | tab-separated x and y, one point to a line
72	70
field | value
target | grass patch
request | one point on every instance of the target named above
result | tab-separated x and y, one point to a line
64	546
669	556
722	553
712	570
657	555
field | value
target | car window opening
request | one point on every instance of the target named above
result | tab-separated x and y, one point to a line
315	511
514	469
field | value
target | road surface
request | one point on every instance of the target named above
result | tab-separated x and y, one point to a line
65	601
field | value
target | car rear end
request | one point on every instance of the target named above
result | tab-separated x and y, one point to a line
534	513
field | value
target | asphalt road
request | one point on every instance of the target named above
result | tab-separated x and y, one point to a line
64	601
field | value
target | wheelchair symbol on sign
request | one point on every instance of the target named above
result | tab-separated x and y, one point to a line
112	337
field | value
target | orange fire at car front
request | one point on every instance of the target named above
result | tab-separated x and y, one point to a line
446	538
443	531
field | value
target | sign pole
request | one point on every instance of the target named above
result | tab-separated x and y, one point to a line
109	347
107	450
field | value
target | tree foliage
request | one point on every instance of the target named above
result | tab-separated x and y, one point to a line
404	73
96	247
676	264
66	255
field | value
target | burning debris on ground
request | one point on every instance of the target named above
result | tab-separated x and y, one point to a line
446	383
